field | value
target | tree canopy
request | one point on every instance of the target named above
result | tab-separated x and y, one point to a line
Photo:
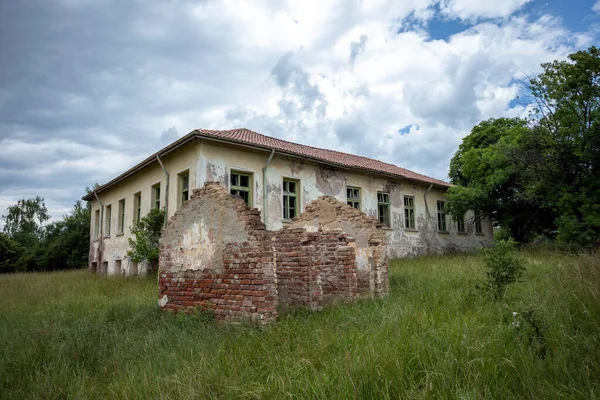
539	175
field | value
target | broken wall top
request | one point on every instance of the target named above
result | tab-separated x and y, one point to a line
328	214
210	220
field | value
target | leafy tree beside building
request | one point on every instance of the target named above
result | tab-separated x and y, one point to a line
540	175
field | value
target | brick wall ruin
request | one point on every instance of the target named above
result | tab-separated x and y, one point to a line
216	254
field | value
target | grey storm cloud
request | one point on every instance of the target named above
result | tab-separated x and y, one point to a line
455	105
83	83
295	81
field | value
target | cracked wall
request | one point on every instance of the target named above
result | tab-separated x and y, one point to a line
216	254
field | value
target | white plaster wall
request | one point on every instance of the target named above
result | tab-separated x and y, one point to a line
213	161
116	245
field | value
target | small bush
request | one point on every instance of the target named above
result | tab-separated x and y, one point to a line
502	267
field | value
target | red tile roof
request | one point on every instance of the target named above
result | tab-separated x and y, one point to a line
247	136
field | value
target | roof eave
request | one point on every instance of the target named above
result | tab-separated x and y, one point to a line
196	134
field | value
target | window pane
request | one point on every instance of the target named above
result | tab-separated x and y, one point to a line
292	187
244	181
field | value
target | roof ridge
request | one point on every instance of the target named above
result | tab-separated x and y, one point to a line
318	148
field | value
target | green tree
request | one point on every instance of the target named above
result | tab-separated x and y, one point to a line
488	171
65	244
10	252
539	176
567	113
147	233
25	219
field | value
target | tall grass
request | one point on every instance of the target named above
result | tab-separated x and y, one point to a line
76	335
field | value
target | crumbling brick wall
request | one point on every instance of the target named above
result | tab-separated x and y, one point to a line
216	254
314	268
329	215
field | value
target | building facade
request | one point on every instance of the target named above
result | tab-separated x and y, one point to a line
278	178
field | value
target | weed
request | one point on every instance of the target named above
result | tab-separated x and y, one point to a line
502	267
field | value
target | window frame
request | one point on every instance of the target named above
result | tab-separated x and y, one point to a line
183	192
460	224
121	217
155	198
354	200
409	213
137	207
387	222
442	223
287	195
478	226
97	224
108	222
239	188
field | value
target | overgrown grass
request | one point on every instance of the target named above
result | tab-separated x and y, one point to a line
76	335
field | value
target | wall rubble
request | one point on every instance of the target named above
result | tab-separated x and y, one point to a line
216	254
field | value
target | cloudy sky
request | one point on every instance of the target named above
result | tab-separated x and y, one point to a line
90	87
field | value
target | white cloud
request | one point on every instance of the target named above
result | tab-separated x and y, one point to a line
473	9
108	88
596	6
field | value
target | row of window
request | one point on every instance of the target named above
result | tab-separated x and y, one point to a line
183	187
241	185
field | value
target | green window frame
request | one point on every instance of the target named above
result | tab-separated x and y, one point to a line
383	208
478	228
108	220
156	196
460	224
241	185
441	214
96	224
137	204
409	212
290	198
184	187
121	216
353	196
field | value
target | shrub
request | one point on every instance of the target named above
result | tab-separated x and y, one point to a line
147	232
502	267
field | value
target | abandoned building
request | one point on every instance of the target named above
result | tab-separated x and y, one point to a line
280	180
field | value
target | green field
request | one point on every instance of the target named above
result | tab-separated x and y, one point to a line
77	335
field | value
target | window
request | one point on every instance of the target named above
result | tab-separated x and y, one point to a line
290	194
383	208
108	220
121	221
409	212
241	185
137	207
96	224
184	188
441	213
353	197
478	223
460	224
156	196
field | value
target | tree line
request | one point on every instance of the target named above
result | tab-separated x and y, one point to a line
27	243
